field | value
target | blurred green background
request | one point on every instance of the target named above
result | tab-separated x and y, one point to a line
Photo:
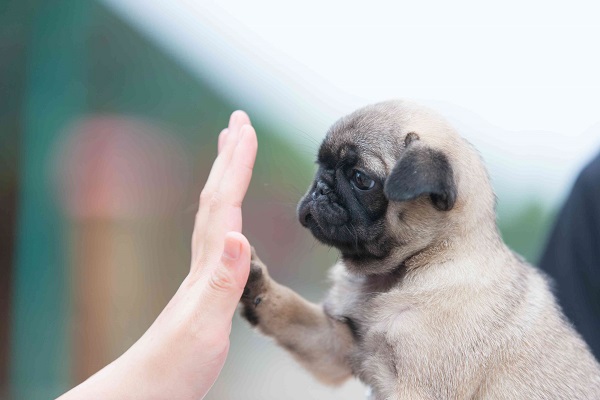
105	142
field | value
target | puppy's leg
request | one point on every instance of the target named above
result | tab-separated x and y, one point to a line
317	341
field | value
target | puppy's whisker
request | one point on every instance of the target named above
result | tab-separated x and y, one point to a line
314	244
308	136
352	234
355	236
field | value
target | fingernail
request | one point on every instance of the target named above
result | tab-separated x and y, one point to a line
232	249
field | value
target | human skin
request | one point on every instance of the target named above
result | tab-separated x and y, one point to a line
181	355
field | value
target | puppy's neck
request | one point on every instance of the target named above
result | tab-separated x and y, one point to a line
377	283
485	245
436	253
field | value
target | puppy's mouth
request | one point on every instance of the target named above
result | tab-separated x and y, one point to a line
331	224
328	221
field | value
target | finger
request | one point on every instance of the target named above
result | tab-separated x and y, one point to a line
236	121
222	140
227	216
225	285
237	176
207	196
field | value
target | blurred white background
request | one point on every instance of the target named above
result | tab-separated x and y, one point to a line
519	79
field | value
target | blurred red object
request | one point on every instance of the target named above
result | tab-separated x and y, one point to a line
120	181
118	167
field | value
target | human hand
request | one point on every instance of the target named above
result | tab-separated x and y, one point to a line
182	353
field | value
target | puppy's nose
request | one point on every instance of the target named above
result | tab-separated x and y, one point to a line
321	190
305	216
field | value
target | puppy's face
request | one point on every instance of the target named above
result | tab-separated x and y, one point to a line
346	205
385	188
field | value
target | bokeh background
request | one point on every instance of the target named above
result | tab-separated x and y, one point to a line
109	114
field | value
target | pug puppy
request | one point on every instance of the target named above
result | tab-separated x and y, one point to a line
426	302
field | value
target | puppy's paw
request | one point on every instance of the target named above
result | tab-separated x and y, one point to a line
255	290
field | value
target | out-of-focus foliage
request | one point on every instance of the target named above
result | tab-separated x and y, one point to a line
524	229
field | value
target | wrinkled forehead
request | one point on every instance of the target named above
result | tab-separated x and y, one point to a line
371	144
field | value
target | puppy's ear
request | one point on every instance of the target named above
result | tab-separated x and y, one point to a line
422	171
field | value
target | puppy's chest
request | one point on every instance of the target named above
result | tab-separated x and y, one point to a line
374	319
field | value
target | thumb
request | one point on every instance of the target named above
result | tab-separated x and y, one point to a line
228	279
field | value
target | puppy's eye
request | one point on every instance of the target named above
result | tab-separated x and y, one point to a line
362	181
